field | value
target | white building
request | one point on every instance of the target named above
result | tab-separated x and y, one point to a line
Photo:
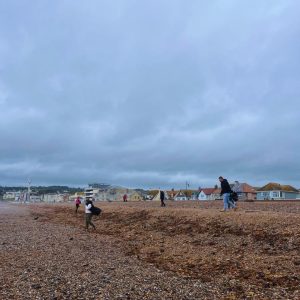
15	195
206	194
54	197
181	196
35	198
91	192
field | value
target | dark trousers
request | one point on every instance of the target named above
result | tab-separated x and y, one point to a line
88	221
162	202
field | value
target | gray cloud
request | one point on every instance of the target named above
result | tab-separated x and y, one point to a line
149	94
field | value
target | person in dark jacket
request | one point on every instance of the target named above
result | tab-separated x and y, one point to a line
226	191
162	198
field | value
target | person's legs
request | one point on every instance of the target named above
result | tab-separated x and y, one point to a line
226	201
230	201
92	222
89	221
77	206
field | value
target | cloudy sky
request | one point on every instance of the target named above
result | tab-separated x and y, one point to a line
149	93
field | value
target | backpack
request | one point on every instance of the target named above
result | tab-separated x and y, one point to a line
234	196
95	210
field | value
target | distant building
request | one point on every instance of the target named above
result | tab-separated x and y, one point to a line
100	186
111	193
134	196
207	194
153	195
115	193
246	192
276	191
143	193
97	191
12	195
92	193
35	198
171	194
54	198
181	196
195	195
216	195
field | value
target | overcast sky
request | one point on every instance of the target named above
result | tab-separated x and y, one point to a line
149	94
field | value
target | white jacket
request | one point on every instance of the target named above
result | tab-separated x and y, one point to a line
87	208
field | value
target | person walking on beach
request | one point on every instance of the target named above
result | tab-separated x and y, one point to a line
125	198
162	198
77	203
88	214
226	191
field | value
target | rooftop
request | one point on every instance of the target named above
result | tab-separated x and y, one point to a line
272	186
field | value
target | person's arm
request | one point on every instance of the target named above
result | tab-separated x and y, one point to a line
222	189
